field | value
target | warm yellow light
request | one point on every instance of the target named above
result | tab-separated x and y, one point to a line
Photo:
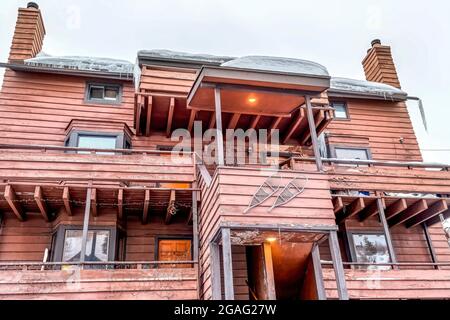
271	239
252	100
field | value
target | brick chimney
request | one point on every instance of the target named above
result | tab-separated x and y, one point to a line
28	35
379	65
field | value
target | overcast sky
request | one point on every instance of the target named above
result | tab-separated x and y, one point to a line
333	33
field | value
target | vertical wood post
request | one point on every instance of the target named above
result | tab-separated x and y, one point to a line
219	138
227	264
337	265
312	128
216	285
195	224
387	233
87	212
430	245
318	275
268	271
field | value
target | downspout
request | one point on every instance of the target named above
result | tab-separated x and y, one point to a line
422	110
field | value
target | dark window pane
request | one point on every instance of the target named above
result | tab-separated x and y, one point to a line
111	93
340	110
97	245
371	248
96	92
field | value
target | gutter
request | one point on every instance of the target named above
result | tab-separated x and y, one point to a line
355	95
72	72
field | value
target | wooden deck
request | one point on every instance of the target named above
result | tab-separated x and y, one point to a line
151	284
391	284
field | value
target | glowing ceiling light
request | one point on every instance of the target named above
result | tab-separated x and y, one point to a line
252	100
271	239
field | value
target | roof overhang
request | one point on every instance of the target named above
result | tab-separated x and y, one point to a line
397	97
73	72
244	90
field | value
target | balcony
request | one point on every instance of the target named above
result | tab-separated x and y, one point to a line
121	281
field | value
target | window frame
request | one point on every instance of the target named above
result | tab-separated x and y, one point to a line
121	138
90	84
332	150
60	234
351	243
172	237
347	113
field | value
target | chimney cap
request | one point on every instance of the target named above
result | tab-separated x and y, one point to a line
33	5
375	42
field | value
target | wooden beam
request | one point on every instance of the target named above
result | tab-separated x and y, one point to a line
66	200
338	266
212	120
94	202
87	213
138	114
435	210
398	206
255	121
120	204
294	125
219	138
192	120
313	133
412	211
338	204
38	197
268	266
317	119
352	209
11	199
318	275
273	127
148	122
369	211
387	233
189	219
170	117
227	264
146	207
234	121
170	207
216	283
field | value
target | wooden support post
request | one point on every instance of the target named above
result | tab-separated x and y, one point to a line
38	197
219	138
195	224
170	207
387	233
120	204
227	264
312	128
170	117
192	120
11	199
318	275
87	213
337	265
138	114
216	285
212	121
66	200
430	245
146	207
268	268
149	115
94	202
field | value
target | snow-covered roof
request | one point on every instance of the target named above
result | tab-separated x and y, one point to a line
277	64
81	63
366	88
163	54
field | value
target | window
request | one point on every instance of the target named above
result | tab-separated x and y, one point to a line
98	140
174	250
370	248
351	153
97	245
104	93
340	110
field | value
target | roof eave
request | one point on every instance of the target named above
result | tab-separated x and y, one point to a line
397	97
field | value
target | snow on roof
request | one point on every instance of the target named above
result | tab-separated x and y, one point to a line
277	64
177	55
365	87
81	63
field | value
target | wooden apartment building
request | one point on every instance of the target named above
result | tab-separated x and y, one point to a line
346	210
